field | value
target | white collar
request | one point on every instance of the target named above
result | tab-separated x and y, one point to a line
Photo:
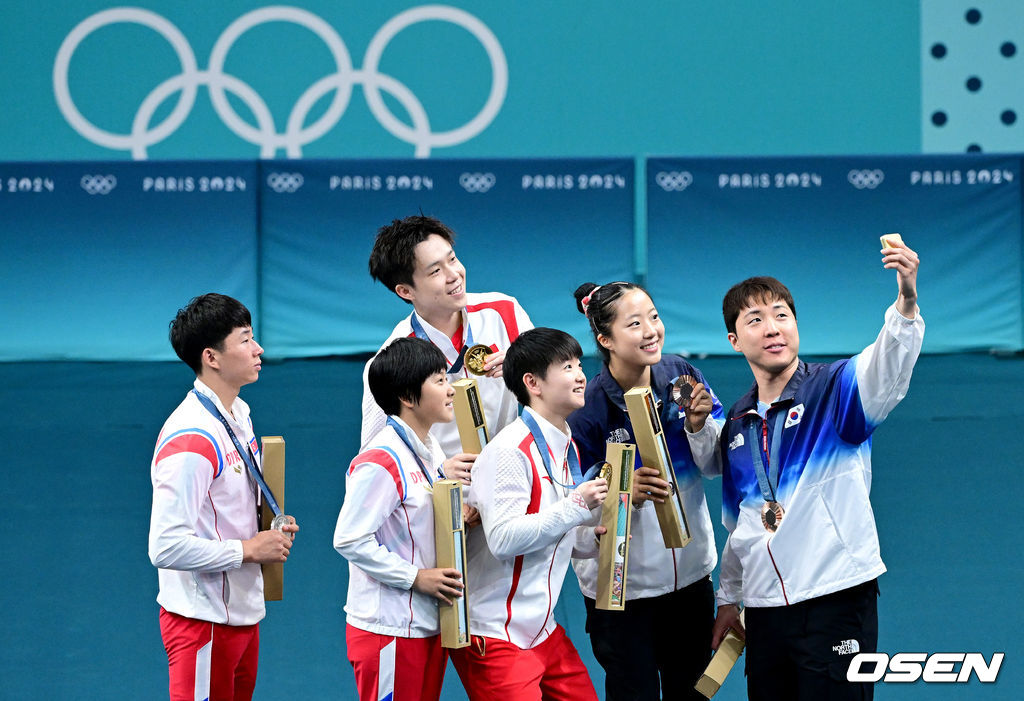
440	338
557	441
421	449
228	413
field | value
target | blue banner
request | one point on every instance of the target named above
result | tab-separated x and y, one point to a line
533	229
99	256
814	223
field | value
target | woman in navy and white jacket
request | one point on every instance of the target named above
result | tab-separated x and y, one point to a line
660	644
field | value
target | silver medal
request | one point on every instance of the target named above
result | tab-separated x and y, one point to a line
279	522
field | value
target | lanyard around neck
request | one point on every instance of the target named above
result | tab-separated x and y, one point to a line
247	457
545	454
408	444
420	332
767	479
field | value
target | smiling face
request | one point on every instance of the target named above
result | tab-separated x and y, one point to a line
767	336
560	392
637	333
438	280
435	404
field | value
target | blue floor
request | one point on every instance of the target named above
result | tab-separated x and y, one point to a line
77	607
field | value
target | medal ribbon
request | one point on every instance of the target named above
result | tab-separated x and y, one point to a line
420	332
408	444
247	457
767	480
545	453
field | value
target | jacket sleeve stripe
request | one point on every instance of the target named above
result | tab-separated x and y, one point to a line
386	459
192	440
506	310
532	508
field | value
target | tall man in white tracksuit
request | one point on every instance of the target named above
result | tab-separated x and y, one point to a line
415	258
802	554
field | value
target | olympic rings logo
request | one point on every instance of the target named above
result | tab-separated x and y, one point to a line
285	182
869	179
674	181
296	133
477	182
98	184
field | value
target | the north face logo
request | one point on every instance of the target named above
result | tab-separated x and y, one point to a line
846	647
619	435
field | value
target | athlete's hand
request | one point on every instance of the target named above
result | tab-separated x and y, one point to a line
459	467
442	583
268	546
494	364
470	516
728	617
592	493
647	486
699	408
906	262
291	528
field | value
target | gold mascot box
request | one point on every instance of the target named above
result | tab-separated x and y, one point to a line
450	545
273	475
469	416
650	440
615	515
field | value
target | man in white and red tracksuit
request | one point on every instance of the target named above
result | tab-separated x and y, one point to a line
203	534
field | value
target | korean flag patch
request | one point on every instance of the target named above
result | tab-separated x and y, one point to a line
794	415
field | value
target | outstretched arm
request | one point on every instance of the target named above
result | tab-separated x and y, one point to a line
901	258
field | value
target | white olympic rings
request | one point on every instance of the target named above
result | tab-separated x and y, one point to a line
674	181
98	184
285	182
296	133
477	182
865	178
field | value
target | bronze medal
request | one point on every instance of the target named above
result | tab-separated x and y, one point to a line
771	515
682	390
475	357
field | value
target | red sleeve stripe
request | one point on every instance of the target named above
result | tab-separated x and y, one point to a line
386	459
534	507
506	310
524	446
197	443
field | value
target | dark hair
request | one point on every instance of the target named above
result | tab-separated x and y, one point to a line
393	258
533	352
602	307
204	323
754	289
400	369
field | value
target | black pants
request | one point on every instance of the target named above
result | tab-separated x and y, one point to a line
802	652
655	648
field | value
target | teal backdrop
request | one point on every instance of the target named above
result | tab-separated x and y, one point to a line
98	251
600	78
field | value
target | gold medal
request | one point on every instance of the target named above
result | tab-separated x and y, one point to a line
475	357
605	473
771	515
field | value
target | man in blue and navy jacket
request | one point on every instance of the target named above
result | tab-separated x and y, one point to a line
802	553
